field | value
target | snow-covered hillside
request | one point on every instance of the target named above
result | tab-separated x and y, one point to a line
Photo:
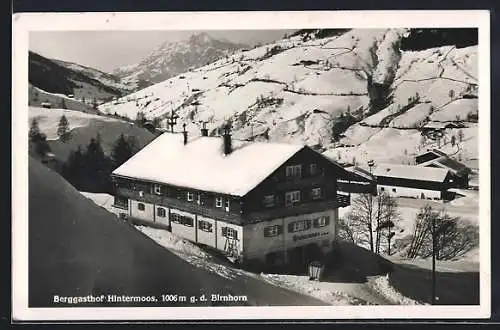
86	85
106	78
48	119
172	58
295	89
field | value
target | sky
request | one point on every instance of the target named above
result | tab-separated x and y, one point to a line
108	50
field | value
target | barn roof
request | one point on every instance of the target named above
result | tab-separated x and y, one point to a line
411	172
201	164
359	174
441	125
437	152
447	163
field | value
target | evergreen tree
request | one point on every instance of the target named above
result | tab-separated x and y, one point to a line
121	152
63	129
97	167
140	118
34	132
74	168
41	145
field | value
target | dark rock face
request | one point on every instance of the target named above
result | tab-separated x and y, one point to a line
420	39
379	94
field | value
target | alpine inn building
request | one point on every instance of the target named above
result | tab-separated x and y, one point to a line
253	201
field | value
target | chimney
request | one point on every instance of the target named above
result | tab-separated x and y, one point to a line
227	140
185	133
204	129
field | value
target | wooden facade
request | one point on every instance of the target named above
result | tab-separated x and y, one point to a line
303	187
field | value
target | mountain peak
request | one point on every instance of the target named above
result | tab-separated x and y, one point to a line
201	37
172	58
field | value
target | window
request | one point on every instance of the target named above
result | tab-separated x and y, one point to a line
294	171
181	219
174	217
187	221
273	231
161	212
313	169
121	202
190	196
218	202
292	197
228	205
141	207
198	199
301	225
157	189
393	189
322	221
229	232
269	200
316	193
382	188
205	226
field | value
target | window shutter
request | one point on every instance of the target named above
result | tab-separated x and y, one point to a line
290	227
327	221
316	222
308	224
280	230
224	231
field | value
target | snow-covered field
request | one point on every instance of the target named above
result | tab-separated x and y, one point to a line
48	119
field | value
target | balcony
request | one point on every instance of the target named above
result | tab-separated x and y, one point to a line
343	200
297	209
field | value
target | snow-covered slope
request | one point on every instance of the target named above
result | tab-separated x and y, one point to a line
106	78
86	85
172	58
296	88
48	119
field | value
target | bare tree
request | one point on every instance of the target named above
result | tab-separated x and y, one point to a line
452	235
368	217
387	214
361	219
346	232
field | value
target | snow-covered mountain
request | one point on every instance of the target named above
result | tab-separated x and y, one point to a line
386	82
173	58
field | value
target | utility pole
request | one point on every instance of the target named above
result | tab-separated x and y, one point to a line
433	279
172	120
371	163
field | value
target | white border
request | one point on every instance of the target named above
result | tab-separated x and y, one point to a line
25	22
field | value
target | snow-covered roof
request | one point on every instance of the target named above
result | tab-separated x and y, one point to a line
410	172
437	152
446	163
202	165
440	125
359	173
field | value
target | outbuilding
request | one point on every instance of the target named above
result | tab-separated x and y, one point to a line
413	181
